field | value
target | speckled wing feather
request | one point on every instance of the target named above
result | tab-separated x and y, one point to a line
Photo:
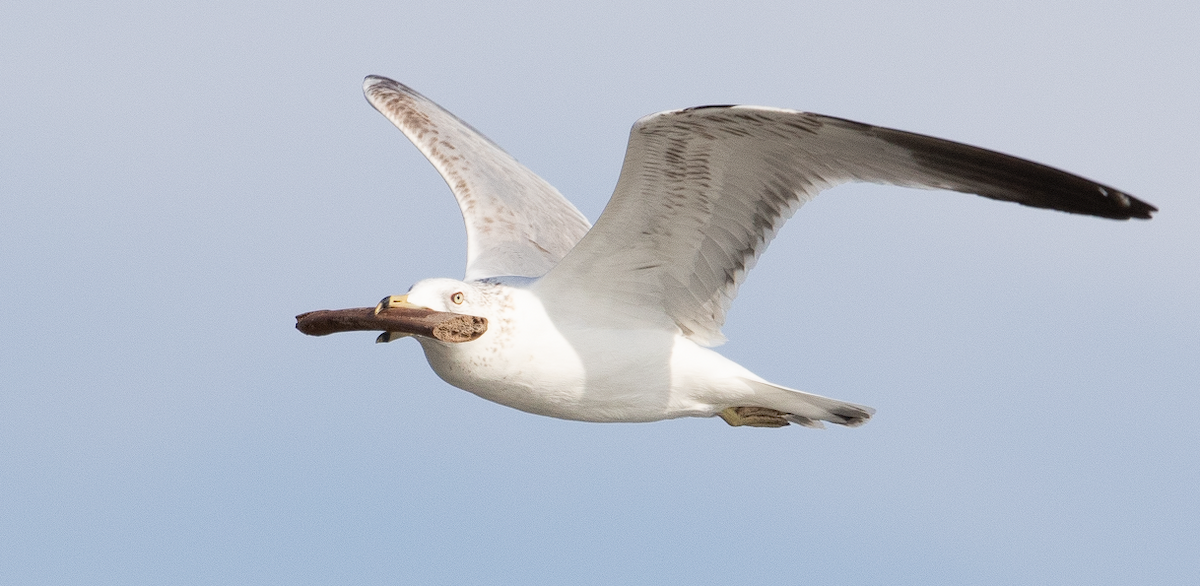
704	190
517	224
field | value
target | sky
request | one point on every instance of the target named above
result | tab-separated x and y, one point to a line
178	181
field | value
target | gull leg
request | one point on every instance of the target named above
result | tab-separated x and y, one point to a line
754	417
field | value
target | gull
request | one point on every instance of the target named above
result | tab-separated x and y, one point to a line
615	322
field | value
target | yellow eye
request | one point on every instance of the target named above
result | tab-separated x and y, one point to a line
457	298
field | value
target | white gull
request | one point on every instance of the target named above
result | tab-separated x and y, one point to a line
613	322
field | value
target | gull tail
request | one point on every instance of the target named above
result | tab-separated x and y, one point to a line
805	408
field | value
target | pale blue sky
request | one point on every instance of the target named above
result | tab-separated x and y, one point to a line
177	182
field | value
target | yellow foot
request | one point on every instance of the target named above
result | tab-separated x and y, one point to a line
754	417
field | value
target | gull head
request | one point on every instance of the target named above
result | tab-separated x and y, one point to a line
448	295
433	296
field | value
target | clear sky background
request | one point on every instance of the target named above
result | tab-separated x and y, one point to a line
178	181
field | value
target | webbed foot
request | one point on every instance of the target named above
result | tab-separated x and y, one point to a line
754	417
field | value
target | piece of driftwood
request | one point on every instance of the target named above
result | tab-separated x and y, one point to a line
447	327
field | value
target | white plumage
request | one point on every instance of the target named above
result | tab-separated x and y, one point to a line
611	322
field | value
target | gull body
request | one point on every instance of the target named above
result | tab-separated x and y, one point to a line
615	322
559	369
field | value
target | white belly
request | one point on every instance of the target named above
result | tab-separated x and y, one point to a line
590	375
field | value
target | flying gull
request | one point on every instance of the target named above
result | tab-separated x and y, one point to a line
614	322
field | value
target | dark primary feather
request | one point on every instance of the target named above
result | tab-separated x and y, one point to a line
1004	177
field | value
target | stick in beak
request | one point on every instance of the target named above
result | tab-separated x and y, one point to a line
395	321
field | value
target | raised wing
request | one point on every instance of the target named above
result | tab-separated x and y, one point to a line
517	224
704	190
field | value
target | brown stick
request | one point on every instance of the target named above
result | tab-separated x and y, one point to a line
447	327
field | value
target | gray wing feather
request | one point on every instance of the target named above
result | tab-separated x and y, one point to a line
517	224
704	190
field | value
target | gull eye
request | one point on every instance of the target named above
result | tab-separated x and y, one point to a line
457	298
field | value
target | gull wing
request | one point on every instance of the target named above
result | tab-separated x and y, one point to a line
517	224
704	190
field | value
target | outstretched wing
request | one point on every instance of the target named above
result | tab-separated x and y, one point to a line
703	191
517	224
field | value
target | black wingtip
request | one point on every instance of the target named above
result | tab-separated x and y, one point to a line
1004	177
1138	209
371	81
1110	203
